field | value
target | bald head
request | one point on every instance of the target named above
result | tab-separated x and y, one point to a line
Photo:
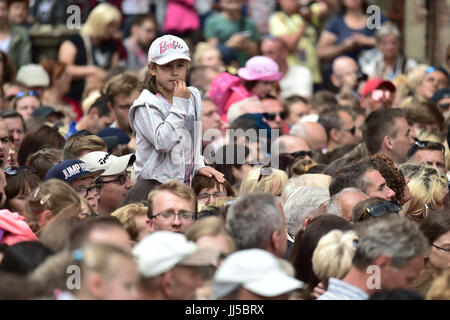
344	73
312	132
248	105
343	64
290	143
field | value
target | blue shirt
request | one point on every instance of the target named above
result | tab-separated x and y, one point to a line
340	290
72	129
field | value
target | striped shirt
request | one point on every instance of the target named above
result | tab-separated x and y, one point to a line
340	290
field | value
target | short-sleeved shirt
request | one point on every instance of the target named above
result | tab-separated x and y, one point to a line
282	24
338	27
218	26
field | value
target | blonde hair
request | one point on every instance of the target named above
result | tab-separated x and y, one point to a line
210	226
88	101
99	18
440	287
54	195
273	183
428	187
333	255
127	217
200	49
177	188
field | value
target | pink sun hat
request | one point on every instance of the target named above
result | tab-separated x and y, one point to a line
260	68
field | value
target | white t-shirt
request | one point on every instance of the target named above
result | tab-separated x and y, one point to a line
4	44
297	81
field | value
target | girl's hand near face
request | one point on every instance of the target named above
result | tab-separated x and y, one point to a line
181	89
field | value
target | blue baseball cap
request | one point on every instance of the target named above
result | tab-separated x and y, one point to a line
71	170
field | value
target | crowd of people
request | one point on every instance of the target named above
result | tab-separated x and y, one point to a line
221	150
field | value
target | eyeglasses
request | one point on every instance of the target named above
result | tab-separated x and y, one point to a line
423	144
271	116
122	179
14	170
444	106
204	196
265	171
351	130
183	215
447	250
84	191
380	209
378	94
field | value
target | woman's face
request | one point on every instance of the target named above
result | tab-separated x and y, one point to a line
111	31
389	46
17	204
440	258
352	4
208	196
262	89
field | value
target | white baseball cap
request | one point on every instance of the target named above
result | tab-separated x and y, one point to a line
168	48
162	250
99	160
255	270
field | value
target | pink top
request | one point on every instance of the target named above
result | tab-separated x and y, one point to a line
16	229
239	93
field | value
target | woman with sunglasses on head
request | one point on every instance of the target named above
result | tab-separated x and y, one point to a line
366	211
436	228
20	182
25	102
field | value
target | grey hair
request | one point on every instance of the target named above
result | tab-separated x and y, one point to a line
396	237
235	110
252	219
334	206
302	203
308	179
387	29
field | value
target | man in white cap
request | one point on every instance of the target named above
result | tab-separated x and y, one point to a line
254	274
34	77
168	264
114	181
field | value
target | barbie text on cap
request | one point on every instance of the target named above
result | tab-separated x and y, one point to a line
168	48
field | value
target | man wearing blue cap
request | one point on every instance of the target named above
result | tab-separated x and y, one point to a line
76	173
442	100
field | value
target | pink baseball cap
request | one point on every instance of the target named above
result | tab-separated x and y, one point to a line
375	83
260	68
168	48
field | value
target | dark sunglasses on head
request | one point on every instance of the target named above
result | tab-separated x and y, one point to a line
271	116
380	209
14	170
301	154
428	145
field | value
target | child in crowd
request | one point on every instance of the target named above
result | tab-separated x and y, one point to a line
166	117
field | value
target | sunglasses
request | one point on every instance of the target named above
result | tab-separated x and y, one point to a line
22	94
380	209
351	130
428	145
301	154
271	116
14	170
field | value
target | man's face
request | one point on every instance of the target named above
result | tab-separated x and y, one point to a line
112	192
444	107
210	117
185	281
114	236
165	201
2	189
431	83
100	123
345	75
121	107
379	98
345	135
81	185
16	130
439	258
433	158
297	111
274	50
4	144
394	278
18	12
377	186
402	142
145	34
26	106
274	108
